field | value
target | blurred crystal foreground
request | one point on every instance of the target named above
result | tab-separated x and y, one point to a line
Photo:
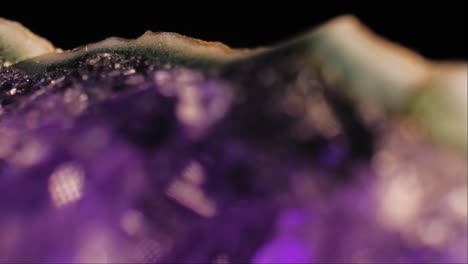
334	147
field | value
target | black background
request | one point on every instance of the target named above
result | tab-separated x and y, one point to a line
436	30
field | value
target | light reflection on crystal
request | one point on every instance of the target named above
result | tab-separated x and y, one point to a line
320	114
131	222
129	72
187	191
192	198
194	173
66	184
163	79
200	102
401	199
189	110
317	116
29	153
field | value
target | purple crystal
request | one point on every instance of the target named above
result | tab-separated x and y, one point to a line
113	158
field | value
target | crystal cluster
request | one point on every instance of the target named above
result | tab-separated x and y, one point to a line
113	157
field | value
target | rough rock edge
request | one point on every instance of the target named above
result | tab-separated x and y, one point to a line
18	43
383	74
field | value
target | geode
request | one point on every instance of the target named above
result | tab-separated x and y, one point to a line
336	146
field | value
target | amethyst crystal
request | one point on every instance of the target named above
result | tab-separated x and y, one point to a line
113	156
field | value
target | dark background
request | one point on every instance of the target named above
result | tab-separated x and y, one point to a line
436	30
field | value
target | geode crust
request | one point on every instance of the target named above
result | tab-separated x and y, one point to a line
173	150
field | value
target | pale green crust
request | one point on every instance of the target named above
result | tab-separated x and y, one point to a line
162	47
18	43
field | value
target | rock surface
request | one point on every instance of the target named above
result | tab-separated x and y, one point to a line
114	156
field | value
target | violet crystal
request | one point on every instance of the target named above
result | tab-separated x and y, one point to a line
114	157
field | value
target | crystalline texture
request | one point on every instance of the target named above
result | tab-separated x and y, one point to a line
115	157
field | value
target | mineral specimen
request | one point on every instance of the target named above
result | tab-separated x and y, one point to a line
334	147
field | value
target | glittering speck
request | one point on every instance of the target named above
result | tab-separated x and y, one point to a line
12	91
